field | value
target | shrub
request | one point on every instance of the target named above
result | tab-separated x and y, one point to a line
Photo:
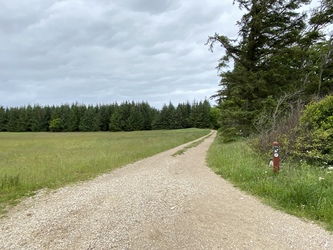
55	125
315	132
284	133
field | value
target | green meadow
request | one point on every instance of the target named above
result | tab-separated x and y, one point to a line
32	161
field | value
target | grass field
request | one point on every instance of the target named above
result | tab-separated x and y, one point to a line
32	161
298	189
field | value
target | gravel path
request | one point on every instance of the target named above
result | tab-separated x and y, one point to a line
162	202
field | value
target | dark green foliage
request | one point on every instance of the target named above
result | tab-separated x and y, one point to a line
89	120
3	119
13	120
200	115
116	121
315	132
135	119
74	118
162	119
104	112
280	52
148	114
184	112
128	116
40	119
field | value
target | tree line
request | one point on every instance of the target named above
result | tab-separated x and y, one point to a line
282	58
127	116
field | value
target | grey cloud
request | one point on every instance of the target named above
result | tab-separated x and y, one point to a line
152	7
105	51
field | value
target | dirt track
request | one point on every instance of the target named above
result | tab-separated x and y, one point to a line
162	202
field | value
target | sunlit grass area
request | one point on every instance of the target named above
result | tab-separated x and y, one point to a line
299	189
32	161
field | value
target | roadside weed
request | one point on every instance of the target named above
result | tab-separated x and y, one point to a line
298	189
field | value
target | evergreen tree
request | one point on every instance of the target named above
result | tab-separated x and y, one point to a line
13	119
41	117
161	120
55	123
179	119
74	119
125	111
104	112
28	117
22	120
171	121
136	119
65	111
148	115
204	117
186	111
90	120
3	119
116	120
269	59
129	116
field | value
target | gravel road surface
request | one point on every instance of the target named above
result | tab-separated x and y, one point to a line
162	202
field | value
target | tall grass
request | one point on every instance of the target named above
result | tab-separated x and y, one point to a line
298	189
31	161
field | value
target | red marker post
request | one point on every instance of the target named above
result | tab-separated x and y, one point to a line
276	157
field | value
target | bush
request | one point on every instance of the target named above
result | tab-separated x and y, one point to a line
315	132
284	133
55	125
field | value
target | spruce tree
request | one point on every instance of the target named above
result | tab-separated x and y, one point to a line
269	61
3	119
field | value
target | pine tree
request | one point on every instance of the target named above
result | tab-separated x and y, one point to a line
269	61
73	118
115	121
3	119
90	120
136	119
41	117
13	119
149	114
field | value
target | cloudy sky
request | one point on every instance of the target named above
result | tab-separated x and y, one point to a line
105	51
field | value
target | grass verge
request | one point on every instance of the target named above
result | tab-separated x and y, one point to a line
191	145
32	161
299	189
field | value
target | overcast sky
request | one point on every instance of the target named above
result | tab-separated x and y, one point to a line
106	51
